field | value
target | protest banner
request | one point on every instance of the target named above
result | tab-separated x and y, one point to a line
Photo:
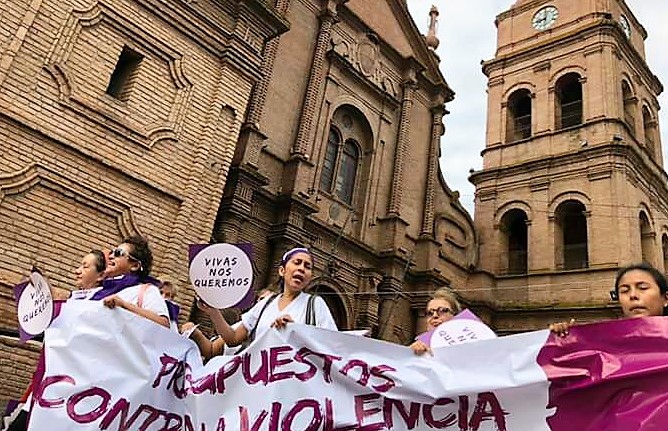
222	274
607	376
34	305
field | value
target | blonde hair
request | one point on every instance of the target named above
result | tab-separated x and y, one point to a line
447	294
172	284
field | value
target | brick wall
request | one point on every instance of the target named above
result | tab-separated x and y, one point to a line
17	365
81	168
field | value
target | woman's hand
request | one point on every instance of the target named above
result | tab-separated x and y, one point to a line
59	294
232	337
114	301
206	308
419	348
561	328
282	321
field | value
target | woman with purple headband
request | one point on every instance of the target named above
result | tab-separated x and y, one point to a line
291	305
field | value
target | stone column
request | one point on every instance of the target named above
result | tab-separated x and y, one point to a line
409	86
252	139
327	18
432	169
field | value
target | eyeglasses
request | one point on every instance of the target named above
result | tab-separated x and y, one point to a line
119	252
438	312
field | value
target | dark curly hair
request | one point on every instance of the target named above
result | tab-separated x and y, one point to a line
142	253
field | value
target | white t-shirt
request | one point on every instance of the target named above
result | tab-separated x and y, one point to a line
153	300
296	309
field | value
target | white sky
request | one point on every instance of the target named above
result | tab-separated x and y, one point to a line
468	35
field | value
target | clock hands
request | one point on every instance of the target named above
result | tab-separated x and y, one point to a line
545	17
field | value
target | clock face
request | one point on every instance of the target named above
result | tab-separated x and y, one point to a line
625	25
545	17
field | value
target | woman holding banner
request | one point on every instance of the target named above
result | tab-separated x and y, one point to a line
128	284
641	290
88	275
442	306
291	305
120	279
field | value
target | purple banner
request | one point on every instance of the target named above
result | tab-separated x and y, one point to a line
609	376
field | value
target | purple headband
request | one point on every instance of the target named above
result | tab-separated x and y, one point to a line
288	254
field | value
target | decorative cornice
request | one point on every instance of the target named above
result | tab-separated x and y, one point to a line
211	23
105	110
38	174
593	31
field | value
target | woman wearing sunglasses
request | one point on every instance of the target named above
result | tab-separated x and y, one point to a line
442	307
128	285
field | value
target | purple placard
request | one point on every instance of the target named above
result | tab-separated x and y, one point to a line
425	337
11	406
249	299
193	249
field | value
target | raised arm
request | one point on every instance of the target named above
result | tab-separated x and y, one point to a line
231	336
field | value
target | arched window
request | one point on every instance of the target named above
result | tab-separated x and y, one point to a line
648	125
646	239
334	303
568	91
518	120
629	106
345	178
344	173
514	225
327	176
571	241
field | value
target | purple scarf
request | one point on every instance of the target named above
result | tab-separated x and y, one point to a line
173	310
112	286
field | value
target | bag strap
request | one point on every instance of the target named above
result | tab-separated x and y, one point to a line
140	296
251	335
310	311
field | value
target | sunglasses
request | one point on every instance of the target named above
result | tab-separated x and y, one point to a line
438	312
119	252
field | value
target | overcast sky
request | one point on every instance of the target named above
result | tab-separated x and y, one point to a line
467	34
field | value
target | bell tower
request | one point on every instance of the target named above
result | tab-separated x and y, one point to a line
572	185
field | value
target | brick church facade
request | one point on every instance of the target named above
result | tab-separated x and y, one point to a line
318	123
340	153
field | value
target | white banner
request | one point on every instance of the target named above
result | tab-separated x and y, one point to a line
111	370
